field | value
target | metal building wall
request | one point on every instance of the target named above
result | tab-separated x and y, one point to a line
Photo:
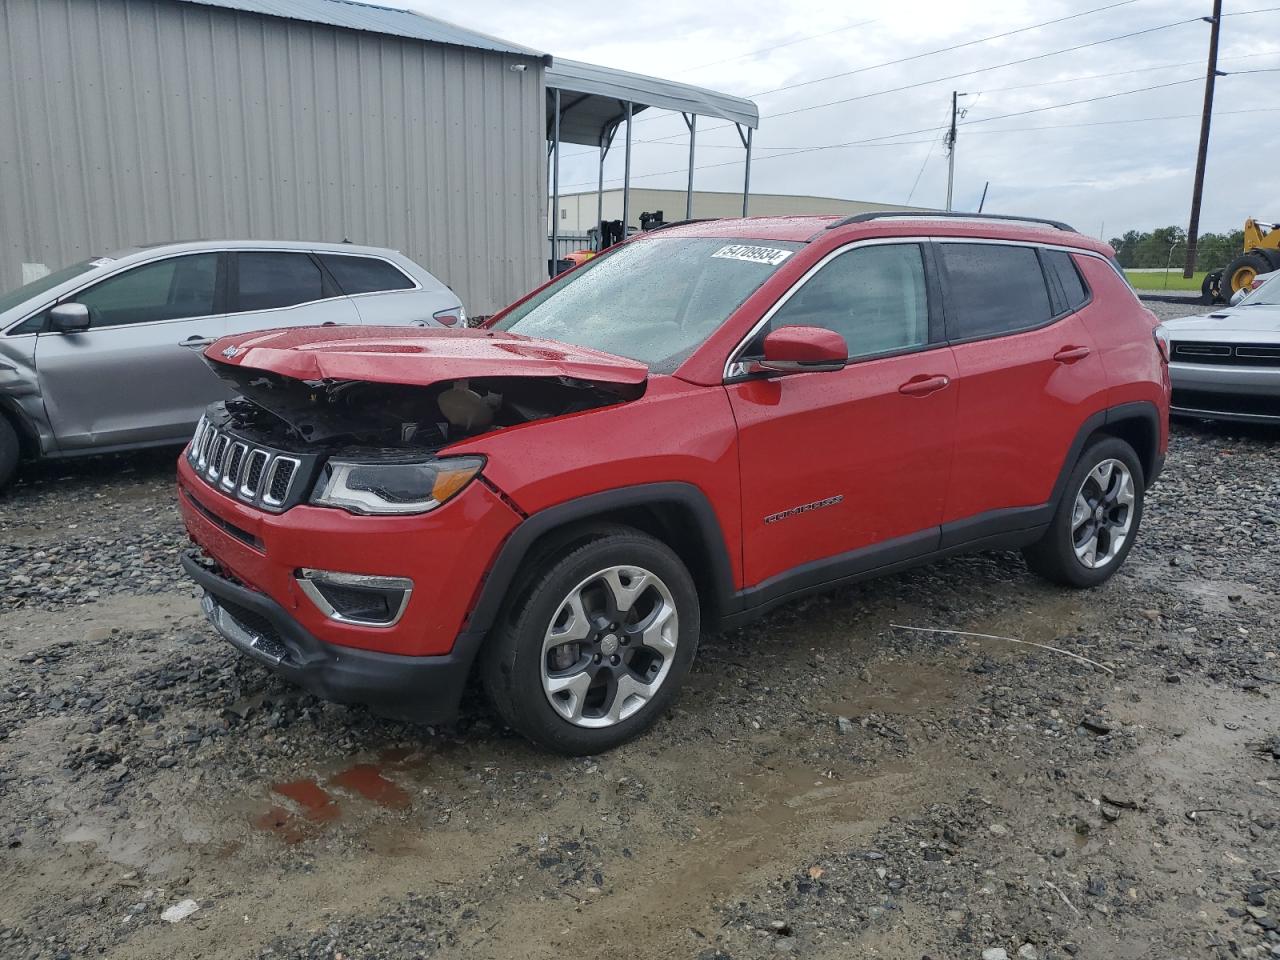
142	121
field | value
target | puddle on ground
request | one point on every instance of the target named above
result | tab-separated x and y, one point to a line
367	780
355	790
316	804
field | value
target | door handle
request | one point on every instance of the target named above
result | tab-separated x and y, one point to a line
196	341
1071	354
924	384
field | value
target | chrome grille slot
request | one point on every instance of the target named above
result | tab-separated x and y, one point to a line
255	467
235	459
240	469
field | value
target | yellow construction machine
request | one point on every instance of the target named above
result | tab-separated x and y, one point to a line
1261	255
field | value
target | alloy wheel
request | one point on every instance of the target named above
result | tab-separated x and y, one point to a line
609	646
1103	514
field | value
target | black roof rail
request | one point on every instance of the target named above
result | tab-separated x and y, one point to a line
944	215
681	223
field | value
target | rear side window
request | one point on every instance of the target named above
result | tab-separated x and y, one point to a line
1071	291
993	289
364	274
874	296
268	280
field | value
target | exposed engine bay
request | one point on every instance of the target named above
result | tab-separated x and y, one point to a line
330	415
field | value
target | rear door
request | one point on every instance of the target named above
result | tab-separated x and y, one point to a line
1029	376
384	294
135	376
837	463
283	288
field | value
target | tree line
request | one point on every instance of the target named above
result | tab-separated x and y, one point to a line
1152	249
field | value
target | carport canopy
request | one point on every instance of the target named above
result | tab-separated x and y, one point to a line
586	104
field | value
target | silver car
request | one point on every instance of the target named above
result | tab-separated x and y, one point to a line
104	355
1226	365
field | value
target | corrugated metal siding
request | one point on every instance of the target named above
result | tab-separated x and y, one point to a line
141	121
376	19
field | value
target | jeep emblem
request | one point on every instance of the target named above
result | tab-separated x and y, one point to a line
230	351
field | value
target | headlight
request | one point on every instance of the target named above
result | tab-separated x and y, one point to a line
414	487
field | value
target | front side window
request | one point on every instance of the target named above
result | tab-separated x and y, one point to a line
873	296
364	274
33	289
170	289
270	280
993	289
654	300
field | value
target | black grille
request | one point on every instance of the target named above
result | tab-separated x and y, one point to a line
280	480
1227	354
1213	401
257	463
232	475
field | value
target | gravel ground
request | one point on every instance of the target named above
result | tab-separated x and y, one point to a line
829	785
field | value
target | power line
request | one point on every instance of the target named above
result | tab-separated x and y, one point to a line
957	46
917	56
776	46
922	83
908	133
1021	86
956	76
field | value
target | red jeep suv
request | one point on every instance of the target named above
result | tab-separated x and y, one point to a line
709	420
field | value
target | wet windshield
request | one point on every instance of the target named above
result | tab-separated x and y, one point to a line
36	287
653	300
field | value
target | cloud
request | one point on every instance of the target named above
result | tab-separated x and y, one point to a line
1075	163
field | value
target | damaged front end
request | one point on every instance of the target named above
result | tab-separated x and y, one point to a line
370	446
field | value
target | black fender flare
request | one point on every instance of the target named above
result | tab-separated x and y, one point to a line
1143	411
506	565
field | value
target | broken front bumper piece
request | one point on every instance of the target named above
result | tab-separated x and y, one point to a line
421	689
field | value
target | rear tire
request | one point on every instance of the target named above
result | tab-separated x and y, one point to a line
10	450
1097	518
596	646
1211	288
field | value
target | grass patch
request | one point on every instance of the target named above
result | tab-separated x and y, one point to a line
1156	280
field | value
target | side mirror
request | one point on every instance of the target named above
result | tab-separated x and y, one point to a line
804	350
69	317
1239	295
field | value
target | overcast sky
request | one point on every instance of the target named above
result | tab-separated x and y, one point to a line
1105	177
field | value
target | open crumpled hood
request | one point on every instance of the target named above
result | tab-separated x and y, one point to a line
417	356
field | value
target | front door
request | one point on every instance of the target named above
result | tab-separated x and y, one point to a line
135	375
847	471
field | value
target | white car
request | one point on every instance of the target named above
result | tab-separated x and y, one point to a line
104	355
1226	365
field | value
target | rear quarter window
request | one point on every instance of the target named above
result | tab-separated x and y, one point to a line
992	289
357	275
1062	268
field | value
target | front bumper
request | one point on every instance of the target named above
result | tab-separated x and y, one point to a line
1221	392
423	689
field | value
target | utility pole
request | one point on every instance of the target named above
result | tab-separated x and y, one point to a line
1211	75
951	145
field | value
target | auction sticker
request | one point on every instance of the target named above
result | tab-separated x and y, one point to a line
771	256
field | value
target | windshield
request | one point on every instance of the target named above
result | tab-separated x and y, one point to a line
653	300
1266	295
36	287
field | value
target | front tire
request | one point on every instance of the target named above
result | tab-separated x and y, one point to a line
1240	272
1097	519
596	648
